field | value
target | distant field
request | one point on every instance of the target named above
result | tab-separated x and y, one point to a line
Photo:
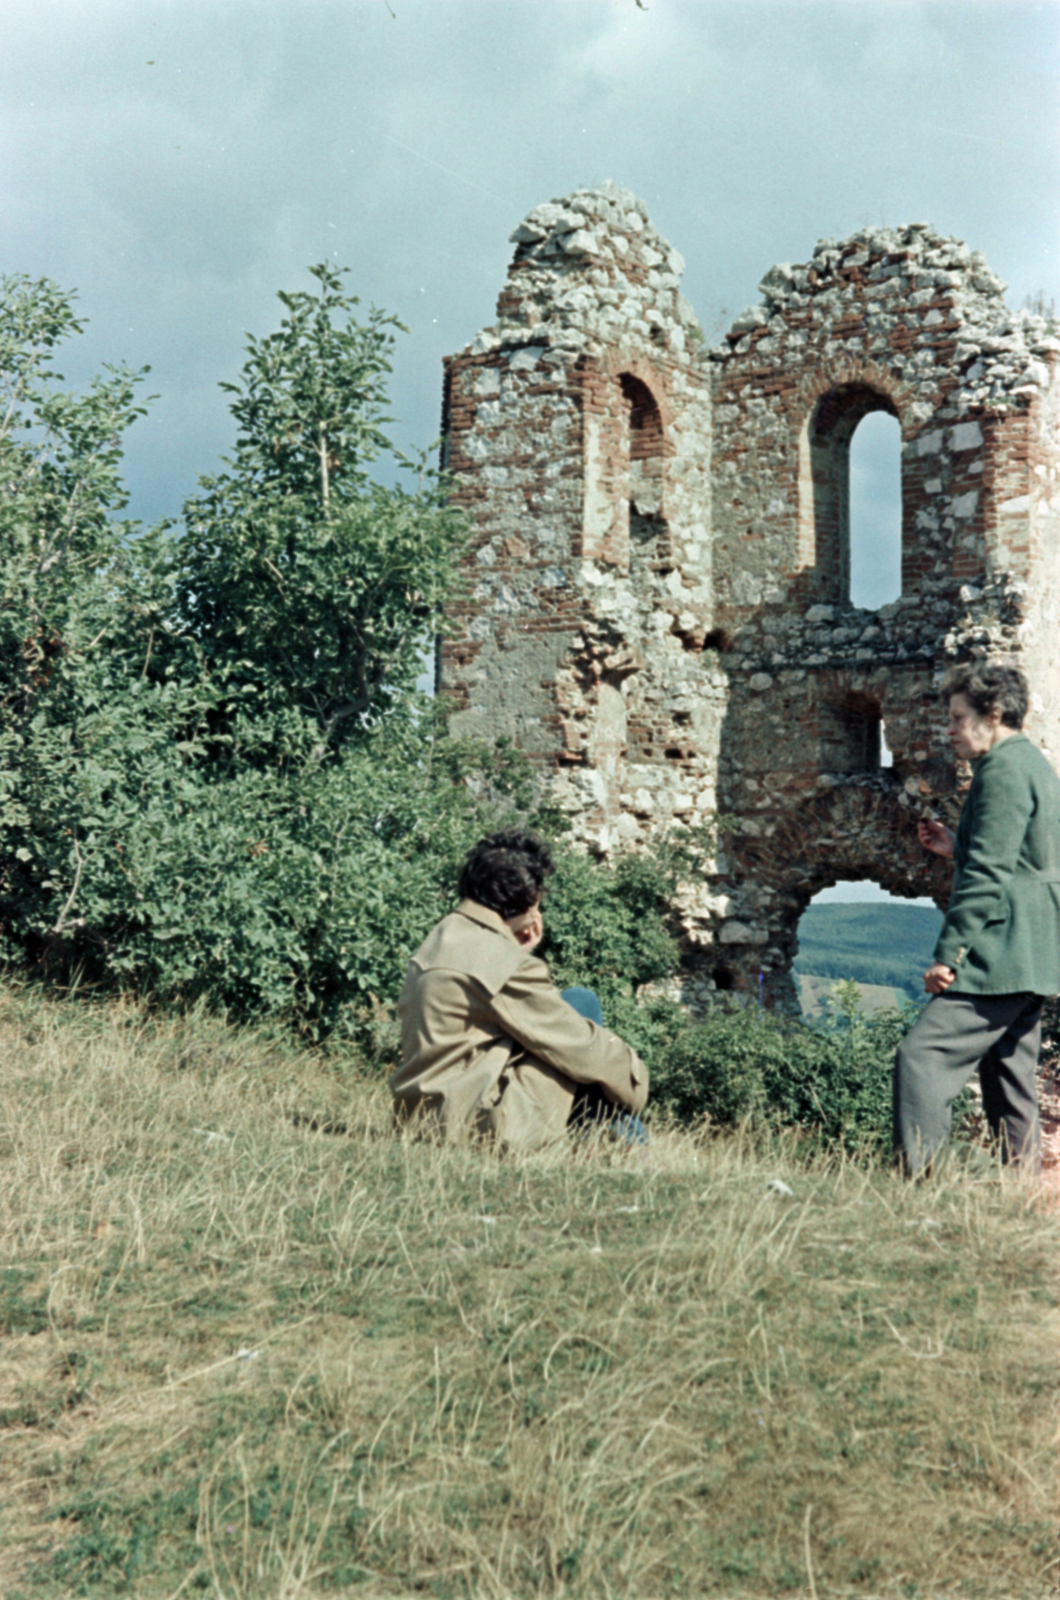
815	991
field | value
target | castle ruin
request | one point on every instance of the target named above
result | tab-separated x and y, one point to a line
658	606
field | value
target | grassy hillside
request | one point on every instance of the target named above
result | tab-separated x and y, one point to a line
883	945
253	1345
816	993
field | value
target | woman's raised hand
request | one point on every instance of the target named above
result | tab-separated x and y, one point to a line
935	836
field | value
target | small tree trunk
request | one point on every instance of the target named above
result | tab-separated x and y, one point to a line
324	486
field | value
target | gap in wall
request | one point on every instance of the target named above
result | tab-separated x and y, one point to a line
860	932
876	511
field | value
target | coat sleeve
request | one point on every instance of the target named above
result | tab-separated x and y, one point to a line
1003	803
533	1012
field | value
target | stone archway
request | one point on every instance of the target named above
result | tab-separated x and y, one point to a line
860	827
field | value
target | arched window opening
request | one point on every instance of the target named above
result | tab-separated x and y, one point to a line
858	932
886	753
850	511
876	512
849	732
645	422
647	526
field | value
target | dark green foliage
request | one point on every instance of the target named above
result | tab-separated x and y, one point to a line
300	894
215	779
608	928
833	1076
59	469
884	944
310	591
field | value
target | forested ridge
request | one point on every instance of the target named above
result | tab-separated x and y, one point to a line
872	943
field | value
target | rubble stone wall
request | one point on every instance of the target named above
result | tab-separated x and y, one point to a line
657	607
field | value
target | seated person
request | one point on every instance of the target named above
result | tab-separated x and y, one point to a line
488	1043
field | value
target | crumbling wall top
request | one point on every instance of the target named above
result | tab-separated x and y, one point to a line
895	272
590	272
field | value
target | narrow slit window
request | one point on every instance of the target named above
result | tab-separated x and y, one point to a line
647	524
849	732
876	512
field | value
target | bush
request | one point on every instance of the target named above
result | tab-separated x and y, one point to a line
216	780
834	1076
609	927
297	894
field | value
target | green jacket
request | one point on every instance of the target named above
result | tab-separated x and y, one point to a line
1001	934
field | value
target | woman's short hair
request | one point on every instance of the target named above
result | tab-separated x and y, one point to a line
506	872
989	688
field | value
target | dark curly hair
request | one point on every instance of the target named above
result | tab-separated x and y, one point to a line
506	872
988	687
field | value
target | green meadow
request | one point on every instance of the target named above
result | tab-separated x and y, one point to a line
254	1345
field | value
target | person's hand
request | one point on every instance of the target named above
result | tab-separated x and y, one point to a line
529	929
935	836
938	978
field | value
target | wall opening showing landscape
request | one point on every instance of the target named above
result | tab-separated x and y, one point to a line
858	931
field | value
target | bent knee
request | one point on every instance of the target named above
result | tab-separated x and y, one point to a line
637	1099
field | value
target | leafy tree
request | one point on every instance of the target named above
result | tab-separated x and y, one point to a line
60	546
166	819
307	587
59	487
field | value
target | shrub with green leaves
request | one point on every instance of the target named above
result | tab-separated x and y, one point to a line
216	780
297	894
833	1076
610	927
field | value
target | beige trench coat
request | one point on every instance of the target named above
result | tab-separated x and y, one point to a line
489	1045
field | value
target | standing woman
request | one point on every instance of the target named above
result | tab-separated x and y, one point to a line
998	953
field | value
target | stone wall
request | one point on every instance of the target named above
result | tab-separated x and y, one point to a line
658	607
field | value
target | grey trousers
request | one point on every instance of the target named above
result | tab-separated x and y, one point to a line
956	1033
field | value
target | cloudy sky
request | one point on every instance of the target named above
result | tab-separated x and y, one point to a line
178	161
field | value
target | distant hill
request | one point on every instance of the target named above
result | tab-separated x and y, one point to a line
885	945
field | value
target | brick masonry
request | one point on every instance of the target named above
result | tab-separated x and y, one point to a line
657	607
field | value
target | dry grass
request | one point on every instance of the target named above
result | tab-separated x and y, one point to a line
246	1356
